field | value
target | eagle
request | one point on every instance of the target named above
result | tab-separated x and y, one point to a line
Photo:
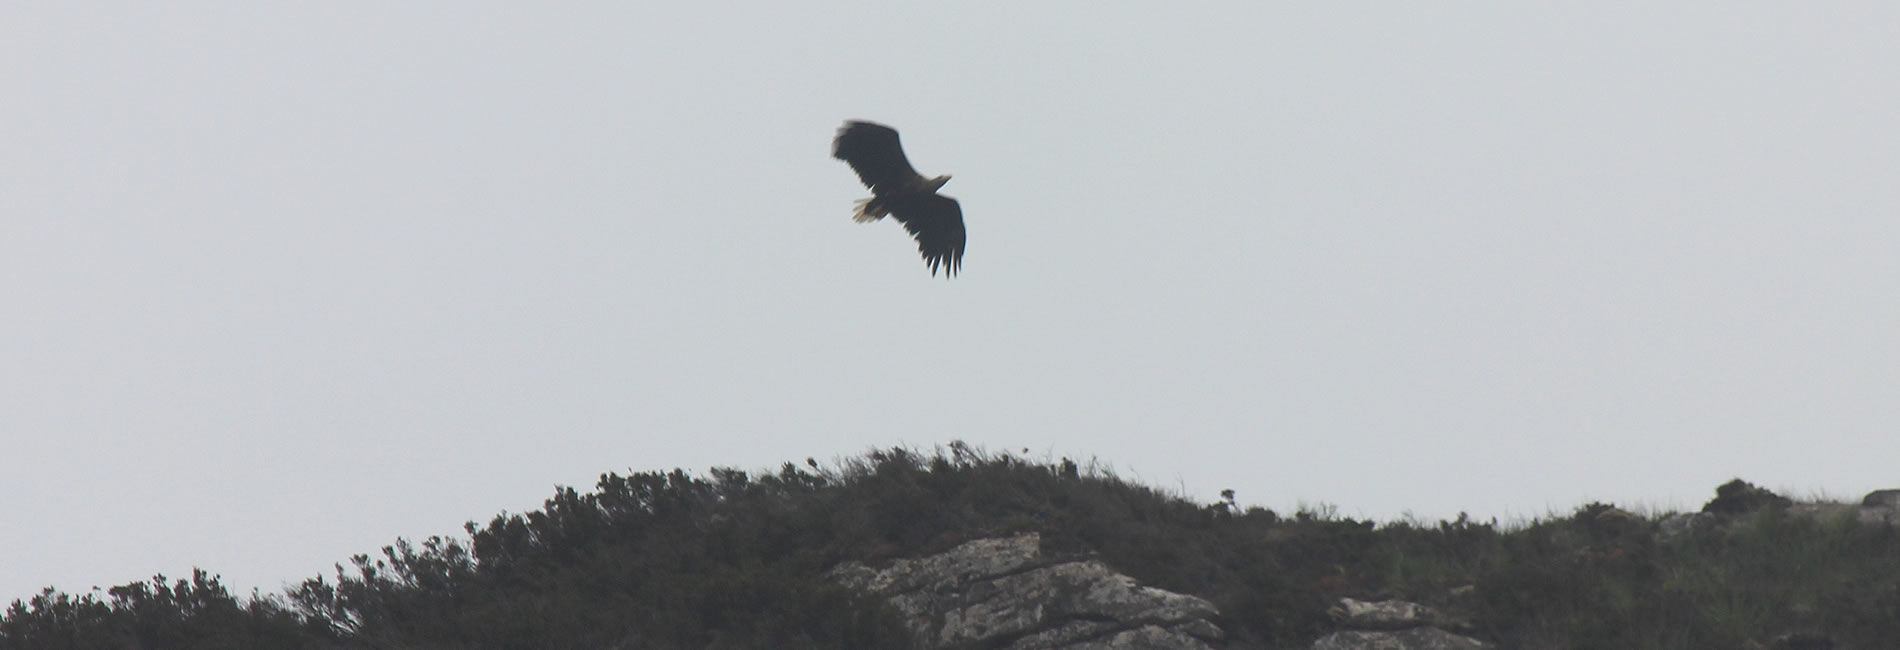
935	220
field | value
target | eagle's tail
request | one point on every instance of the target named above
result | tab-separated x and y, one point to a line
869	210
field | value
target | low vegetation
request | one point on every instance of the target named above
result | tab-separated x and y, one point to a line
734	559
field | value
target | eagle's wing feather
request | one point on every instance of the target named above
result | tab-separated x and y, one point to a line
937	223
874	153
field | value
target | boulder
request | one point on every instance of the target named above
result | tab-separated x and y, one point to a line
1381	615
1610	521
977	560
1677	525
1880	507
1146	637
1004	593
1418	638
1882	499
1391	625
1741	497
1825	511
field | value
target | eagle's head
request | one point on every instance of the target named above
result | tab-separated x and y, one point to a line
937	183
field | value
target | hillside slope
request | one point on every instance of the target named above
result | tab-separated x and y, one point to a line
735	559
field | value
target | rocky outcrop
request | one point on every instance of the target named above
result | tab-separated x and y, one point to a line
1829	511
1392	625
1880	507
1419	638
1741	497
1738	497
1003	593
1882	499
1877	508
1383	615
1677	525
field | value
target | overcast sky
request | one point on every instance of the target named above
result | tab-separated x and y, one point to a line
281	282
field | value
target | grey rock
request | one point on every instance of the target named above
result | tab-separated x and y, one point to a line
1824	511
1880	507
1418	638
1063	635
980	559
1003	593
1677	525
1868	515
1382	615
1201	629
1082	635
1878	515
1147	637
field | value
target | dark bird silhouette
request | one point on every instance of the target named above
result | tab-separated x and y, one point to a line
935	220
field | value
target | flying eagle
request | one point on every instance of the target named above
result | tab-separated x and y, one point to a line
898	190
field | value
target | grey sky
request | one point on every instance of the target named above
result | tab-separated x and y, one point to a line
285	281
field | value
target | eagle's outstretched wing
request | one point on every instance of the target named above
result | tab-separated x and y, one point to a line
874	153
935	220
937	223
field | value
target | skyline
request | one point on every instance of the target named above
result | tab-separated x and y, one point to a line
285	283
